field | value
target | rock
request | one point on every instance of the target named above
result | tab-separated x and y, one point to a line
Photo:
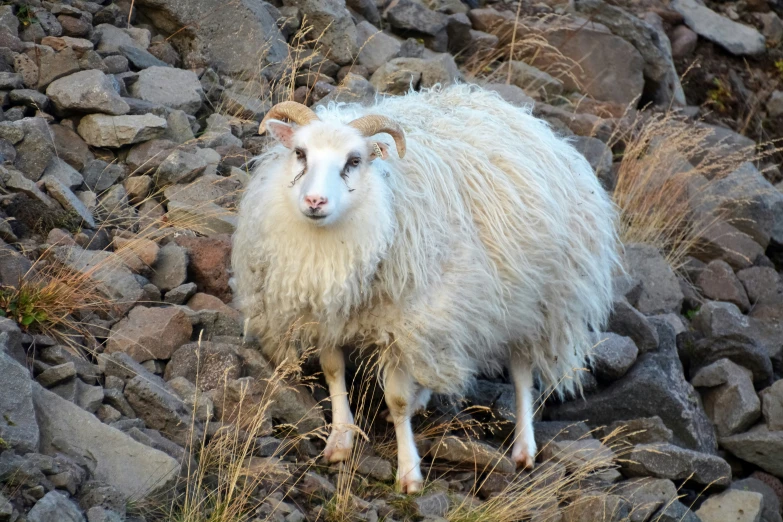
599	155
198	403
140	58
161	409
675	463
654	386
87	91
375	467
180	167
206	364
731	400
100	130
375	47
29	98
150	333
10	81
639	431
775	104
577	454
683	42
625	320
763	284
138	188
146	157
610	69
109	454
70	147
717	281
675	512
138	253
532	80
214	318
170	271
180	294
110	38
646	495
398	75
205	219
57	375
99	514
55	506
407	15
36	149
660	290
433	504
66	174
772	405
332	22
18	427
612	356
742	506
100	176
512	94
759	446
210	261
770	509
736	38
68	199
471	455
170	87
224	39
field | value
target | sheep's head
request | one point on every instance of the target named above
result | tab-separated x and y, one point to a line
329	163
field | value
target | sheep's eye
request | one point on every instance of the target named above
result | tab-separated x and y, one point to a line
300	154
354	162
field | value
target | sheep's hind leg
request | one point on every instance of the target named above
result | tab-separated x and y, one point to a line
523	452
401	393
340	441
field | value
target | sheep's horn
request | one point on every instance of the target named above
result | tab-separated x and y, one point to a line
373	124
296	112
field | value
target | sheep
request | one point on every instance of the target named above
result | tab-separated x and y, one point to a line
485	243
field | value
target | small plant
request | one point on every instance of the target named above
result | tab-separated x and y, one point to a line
24	306
4	445
721	96
25	16
779	67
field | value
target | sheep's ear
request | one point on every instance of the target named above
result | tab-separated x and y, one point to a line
282	132
378	150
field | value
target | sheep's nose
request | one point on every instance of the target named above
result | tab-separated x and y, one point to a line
315	202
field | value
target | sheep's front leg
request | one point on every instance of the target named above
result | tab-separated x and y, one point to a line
523	452
340	441
401	393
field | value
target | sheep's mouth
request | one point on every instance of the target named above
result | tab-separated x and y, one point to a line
316	217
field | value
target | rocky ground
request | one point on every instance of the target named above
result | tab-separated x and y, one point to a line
126	392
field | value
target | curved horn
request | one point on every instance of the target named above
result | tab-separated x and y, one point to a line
296	112
373	124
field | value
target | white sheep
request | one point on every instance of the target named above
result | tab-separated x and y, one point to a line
485	242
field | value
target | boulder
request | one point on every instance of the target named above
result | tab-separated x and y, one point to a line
759	446
730	400
654	386
612	356
65	197
71	148
110	455
625	320
206	364
736	38
772	405
407	15
160	409
34	145
718	282
210	260
770	509
471	454
331	21
762	283
174	88
671	462
375	47
18	426
150	333
171	269
55	506
647	495
660	289
87	91
531	79
734	505
100	130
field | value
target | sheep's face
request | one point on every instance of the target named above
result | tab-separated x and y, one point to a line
327	170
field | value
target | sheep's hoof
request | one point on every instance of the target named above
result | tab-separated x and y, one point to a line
524	461
410	485
338	446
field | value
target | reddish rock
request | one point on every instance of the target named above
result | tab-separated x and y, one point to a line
210	261
150	333
718	282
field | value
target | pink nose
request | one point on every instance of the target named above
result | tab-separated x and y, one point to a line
315	201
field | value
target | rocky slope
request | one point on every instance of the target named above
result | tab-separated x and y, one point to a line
126	132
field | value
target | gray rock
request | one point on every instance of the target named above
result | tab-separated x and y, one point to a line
180	167
140	58
675	512
55	506
70	147
196	402
375	47
18	427
180	294
610	69
625	320
401	74
57	375
36	149
612	356
531	79
170	87
762	284
612	508
742	506
69	176
9	81
29	98
599	156
647	495
99	514
433	504
68	199
101	130
772	405
160	409
206	364
513	95
775	104
639	431
731	401
332	22
736	38
6	509
110	455
87	91
110	38
171	269
720	240
654	386
407	15
770	509
717	281
195	26
759	446
213	317
674	463
98	493
683	42
660	290
99	176
206	219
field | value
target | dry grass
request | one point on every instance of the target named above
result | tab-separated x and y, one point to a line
665	174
